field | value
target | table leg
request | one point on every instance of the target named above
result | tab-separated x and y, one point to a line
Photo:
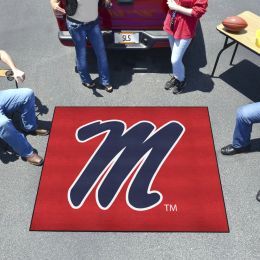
226	45
233	55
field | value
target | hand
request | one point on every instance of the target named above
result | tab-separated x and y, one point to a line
172	5
57	9
18	75
108	3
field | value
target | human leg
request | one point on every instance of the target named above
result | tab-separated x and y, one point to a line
96	38
178	47
13	137
170	83
171	40
78	34
178	50
246	116
21	101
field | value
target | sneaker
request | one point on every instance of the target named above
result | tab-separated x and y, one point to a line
89	85
178	86
170	84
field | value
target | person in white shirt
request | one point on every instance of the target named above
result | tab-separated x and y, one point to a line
83	25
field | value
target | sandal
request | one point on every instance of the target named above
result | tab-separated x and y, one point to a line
109	88
89	85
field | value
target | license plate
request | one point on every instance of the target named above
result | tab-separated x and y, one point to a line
126	38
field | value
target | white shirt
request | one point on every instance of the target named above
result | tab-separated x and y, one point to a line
87	11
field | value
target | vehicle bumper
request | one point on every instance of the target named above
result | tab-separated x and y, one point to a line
148	40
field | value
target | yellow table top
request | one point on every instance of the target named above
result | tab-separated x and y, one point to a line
2	72
246	37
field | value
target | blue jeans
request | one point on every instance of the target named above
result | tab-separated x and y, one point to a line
80	33
17	102
179	47
246	116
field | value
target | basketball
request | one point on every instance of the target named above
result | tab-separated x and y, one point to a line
234	23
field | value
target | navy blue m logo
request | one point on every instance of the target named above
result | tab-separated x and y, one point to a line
141	148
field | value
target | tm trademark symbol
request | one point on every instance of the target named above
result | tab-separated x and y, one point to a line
171	207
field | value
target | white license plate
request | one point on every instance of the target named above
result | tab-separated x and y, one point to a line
126	37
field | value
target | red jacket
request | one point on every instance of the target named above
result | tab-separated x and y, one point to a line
185	26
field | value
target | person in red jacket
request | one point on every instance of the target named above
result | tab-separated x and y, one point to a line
180	24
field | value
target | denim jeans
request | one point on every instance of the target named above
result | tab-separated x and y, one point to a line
246	116
179	47
17	102
80	33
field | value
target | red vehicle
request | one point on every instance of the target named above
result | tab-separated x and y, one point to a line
134	24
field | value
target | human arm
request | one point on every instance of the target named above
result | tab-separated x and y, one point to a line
197	9
55	5
178	8
106	3
18	75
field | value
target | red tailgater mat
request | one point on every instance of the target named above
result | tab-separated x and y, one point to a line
130	169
